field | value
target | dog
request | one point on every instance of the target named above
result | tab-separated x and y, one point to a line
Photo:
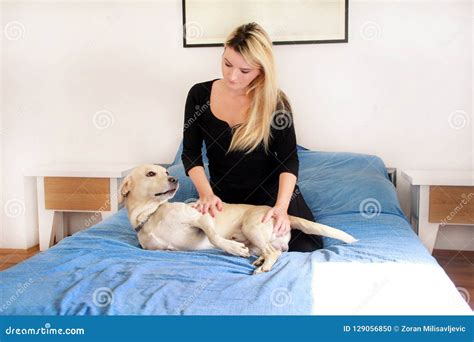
237	229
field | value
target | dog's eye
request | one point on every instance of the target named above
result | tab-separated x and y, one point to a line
151	174
167	173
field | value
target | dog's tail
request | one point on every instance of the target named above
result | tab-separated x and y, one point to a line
309	227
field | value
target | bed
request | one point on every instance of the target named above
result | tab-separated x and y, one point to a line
103	271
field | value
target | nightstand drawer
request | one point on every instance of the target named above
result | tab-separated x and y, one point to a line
77	193
451	204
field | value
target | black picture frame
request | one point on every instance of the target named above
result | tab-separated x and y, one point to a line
345	39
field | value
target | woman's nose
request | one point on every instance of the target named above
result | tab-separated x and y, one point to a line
233	76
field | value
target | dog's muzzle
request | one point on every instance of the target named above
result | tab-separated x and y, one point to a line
174	182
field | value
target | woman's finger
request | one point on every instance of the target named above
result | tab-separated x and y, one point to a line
277	225
283	227
211	210
270	214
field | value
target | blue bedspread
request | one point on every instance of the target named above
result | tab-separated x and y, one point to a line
102	270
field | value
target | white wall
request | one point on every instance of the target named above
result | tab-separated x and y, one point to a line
1	134
389	91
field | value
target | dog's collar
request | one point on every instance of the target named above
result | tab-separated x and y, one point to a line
140	226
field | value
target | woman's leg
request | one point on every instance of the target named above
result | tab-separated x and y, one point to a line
301	242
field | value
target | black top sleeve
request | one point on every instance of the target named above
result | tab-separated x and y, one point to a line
284	142
192	135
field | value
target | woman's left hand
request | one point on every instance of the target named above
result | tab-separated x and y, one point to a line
282	224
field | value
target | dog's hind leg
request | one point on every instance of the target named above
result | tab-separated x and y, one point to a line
268	258
259	235
206	223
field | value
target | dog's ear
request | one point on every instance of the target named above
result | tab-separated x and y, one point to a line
125	188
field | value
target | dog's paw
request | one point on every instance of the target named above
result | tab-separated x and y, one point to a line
237	248
261	269
259	261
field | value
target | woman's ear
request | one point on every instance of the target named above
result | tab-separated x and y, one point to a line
125	188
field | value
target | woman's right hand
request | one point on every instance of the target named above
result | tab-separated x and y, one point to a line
208	203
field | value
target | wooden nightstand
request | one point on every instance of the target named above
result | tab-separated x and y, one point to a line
74	188
439	197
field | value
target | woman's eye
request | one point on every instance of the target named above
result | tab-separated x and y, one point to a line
151	174
245	72
227	65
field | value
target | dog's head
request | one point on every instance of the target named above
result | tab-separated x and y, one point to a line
148	182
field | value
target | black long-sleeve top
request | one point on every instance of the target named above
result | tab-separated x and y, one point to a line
235	171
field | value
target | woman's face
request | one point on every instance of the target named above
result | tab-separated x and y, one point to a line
236	72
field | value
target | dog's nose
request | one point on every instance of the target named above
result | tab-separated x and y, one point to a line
172	180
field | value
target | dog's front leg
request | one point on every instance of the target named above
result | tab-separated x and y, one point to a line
144	214
206	223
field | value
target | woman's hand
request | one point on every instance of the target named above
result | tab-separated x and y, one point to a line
282	224
208	203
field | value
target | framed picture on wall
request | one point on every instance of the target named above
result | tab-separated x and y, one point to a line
207	22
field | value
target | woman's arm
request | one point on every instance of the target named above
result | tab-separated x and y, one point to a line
192	155
287	158
199	178
192	145
284	147
286	186
192	135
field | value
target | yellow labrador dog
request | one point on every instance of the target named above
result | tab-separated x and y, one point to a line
179	226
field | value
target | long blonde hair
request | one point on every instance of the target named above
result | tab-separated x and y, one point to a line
255	46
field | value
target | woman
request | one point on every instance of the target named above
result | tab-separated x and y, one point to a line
246	123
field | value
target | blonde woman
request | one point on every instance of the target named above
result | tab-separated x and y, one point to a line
246	123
